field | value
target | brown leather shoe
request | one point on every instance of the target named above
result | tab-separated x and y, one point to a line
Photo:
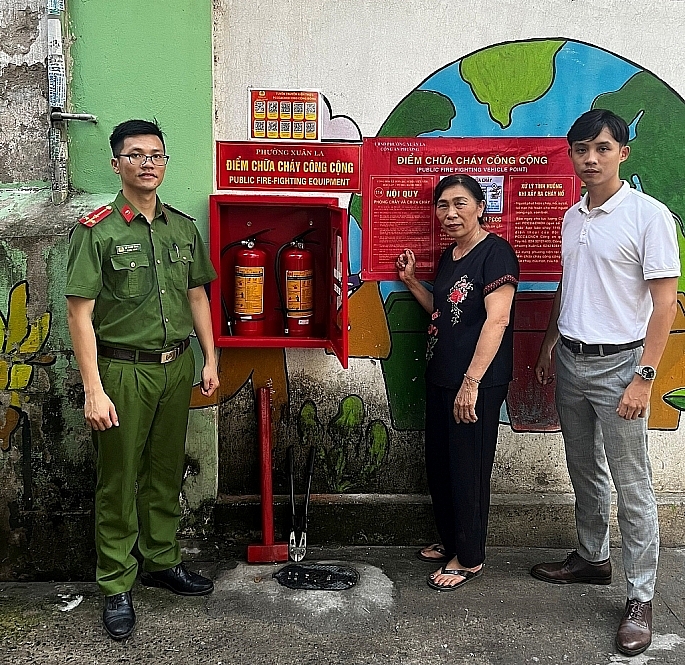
574	569
635	630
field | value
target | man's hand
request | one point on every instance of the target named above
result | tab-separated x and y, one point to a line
543	368
635	399
210	380
100	411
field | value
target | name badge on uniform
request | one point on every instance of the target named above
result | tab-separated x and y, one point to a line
125	249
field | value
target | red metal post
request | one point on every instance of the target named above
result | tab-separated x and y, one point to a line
267	551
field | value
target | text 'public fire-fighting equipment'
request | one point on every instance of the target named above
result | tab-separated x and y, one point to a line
297	550
249	273
295	274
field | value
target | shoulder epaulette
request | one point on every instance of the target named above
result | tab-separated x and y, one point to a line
92	218
178	212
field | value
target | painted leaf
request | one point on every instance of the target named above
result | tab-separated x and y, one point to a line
38	333
20	375
346	427
8	426
676	399
47	359
377	440
4	374
17	317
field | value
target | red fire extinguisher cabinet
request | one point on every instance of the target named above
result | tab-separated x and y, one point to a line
274	221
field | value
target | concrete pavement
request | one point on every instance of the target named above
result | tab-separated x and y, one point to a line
391	617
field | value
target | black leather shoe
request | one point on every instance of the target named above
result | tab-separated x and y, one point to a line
575	569
635	630
119	617
180	580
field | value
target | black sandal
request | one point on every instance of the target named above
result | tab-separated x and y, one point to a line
468	575
436	547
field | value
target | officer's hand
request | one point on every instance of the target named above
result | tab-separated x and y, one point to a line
210	381
634	402
100	411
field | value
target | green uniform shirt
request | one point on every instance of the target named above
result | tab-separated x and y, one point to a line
139	275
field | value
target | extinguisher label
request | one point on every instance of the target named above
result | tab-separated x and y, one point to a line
249	290
299	293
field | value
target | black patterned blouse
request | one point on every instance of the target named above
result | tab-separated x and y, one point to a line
459	293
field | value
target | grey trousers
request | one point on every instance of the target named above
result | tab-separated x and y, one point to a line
600	445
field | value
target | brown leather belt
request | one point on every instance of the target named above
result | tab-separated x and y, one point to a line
598	349
144	356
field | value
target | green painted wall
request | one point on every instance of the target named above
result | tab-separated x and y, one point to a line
132	59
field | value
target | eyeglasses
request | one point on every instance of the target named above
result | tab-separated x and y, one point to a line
139	159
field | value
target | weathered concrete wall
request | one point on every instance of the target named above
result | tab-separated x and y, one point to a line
46	460
47	473
46	456
23	92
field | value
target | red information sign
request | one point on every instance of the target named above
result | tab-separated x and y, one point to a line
528	184
285	115
324	167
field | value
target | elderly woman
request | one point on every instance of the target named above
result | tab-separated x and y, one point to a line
469	367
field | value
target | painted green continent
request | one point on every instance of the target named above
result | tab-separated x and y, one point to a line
657	153
510	74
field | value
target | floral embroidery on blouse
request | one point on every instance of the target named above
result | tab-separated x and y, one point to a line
432	336
457	295
505	279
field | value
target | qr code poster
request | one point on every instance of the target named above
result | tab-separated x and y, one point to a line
493	188
285	115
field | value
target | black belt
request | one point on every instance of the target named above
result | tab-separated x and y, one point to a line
599	349
144	356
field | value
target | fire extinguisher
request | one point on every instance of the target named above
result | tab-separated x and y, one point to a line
295	271
249	273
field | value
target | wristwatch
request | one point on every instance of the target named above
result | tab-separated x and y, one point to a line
647	372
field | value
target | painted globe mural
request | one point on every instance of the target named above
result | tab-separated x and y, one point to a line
518	89
527	89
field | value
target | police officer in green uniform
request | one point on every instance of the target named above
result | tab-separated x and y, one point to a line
135	291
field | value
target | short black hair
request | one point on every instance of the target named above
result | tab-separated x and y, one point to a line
466	181
591	123
133	128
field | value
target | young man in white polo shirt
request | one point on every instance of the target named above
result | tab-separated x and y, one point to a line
609	326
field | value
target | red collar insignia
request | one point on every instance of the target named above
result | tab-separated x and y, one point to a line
127	213
92	218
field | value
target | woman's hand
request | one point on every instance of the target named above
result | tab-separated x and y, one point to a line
406	266
465	402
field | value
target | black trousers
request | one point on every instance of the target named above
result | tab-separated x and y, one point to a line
459	459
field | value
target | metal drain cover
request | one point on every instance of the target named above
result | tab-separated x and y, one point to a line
317	576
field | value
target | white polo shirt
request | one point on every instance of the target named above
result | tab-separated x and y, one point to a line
608	254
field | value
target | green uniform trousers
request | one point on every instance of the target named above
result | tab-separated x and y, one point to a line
147	449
